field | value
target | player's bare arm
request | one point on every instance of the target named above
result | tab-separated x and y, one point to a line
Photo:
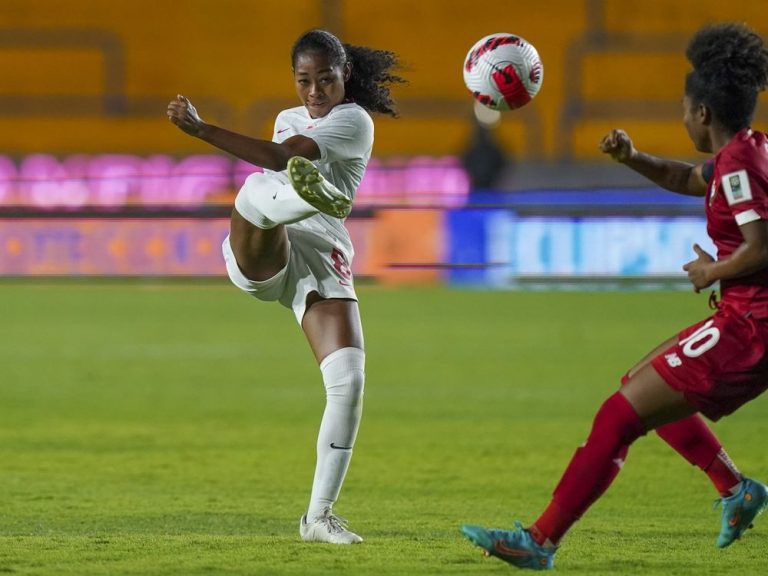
264	153
680	177
750	257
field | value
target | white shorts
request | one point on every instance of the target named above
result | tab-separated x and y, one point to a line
318	261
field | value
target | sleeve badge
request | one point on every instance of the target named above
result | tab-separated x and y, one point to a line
736	187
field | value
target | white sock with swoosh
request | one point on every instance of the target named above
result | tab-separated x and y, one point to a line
344	379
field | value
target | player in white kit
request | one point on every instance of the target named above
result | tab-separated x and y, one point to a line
287	240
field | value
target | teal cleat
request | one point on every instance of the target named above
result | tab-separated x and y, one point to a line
740	510
513	546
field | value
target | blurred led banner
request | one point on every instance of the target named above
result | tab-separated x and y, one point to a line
149	246
75	246
499	248
468	246
110	181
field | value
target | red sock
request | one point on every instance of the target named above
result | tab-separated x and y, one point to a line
552	525
592	468
695	442
723	473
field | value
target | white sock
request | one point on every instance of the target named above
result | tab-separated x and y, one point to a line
265	200
344	379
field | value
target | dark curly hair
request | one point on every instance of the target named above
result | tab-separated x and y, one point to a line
730	69
371	77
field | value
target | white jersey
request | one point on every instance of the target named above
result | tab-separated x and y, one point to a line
321	251
345	139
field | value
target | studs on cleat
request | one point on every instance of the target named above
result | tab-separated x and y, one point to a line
312	187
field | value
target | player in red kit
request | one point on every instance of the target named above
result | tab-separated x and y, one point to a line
715	366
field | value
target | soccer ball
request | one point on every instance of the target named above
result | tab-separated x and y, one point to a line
503	71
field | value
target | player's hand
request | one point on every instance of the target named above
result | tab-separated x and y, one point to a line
182	113
698	270
618	144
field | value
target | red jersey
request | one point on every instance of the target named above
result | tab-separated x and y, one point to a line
738	194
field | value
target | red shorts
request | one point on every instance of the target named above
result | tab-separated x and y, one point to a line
719	363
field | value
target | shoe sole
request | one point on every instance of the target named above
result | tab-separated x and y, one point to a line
303	175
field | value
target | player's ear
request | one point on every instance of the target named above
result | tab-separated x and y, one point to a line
347	71
705	113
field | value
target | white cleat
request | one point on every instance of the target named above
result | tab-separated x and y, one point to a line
327	528
314	189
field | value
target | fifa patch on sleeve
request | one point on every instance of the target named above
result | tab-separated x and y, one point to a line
736	187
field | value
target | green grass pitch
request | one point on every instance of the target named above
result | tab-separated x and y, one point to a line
169	429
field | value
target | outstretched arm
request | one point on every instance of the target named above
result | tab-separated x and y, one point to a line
673	175
259	152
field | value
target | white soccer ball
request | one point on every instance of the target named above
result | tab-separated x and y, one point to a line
503	71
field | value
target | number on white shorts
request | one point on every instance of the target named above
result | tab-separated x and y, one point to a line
341	264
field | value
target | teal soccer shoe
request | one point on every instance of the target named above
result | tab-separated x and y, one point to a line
740	510
513	546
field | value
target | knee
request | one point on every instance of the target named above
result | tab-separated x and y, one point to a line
344	375
617	419
252	200
347	389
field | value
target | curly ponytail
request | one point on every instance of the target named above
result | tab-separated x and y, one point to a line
371	78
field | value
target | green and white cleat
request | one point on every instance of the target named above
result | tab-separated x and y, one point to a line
314	189
327	528
740	510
